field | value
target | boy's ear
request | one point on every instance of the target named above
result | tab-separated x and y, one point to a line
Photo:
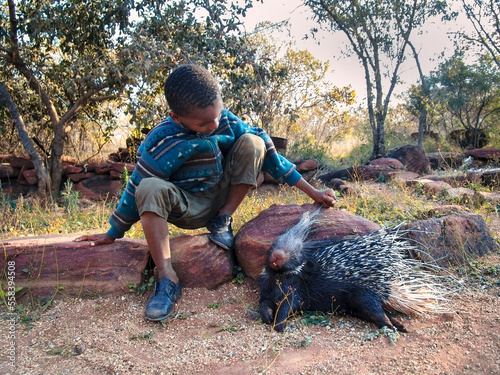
174	117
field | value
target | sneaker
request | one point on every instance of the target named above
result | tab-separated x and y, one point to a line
221	231
161	304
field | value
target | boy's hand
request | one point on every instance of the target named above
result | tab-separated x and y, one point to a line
326	197
97	239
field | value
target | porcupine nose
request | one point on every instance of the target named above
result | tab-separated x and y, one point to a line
277	259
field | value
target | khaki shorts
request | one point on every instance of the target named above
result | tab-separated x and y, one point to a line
192	210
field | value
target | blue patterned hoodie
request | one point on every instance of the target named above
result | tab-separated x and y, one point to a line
191	161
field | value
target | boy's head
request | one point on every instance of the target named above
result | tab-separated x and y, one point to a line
189	87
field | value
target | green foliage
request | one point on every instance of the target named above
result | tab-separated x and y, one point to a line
238	275
315	318
309	147
392	334
70	198
141	288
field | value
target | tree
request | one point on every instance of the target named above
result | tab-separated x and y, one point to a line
426	9
378	32
43	178
74	56
276	85
484	16
68	61
470	93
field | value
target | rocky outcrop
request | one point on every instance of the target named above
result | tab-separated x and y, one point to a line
452	240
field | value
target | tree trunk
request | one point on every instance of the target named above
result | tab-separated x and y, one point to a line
41	172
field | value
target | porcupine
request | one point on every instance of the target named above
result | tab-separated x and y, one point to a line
367	277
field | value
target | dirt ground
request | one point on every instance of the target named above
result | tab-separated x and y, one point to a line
216	332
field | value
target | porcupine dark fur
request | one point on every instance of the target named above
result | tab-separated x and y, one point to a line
367	277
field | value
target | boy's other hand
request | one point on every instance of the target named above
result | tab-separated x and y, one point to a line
97	239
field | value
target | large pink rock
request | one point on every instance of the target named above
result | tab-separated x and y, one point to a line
199	262
255	237
54	265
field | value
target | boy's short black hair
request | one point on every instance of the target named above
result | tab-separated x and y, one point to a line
190	86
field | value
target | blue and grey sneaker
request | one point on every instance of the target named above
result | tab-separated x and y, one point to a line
161	304
221	231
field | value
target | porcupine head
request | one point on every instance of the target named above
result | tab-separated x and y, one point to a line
286	252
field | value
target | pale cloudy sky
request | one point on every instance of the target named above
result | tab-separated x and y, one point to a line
432	43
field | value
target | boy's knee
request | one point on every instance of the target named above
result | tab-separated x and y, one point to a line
151	188
252	145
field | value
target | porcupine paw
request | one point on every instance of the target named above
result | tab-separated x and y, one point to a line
266	313
396	323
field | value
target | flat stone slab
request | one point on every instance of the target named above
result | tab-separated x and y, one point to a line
55	266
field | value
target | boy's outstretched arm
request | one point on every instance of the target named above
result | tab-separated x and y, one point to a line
325	197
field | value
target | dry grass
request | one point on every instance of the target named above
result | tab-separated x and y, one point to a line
382	203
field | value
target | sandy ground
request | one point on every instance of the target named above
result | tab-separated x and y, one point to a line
216	332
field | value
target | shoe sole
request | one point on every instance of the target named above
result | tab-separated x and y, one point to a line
160	319
220	244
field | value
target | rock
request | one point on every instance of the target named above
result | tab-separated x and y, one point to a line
493	197
114	175
71	169
452	240
491	177
413	158
77	177
120	167
486	154
20	162
429	186
98	188
402	177
388	162
358	173
8	171
445	160
306	165
343	187
54	265
256	236
199	262
458	179
30	176
463	195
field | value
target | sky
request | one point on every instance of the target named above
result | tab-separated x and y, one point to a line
348	71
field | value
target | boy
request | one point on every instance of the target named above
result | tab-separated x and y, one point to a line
194	169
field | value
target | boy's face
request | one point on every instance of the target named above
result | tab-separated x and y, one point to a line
201	120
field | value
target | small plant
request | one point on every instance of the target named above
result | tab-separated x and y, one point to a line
145	336
305	342
70	198
231	327
141	288
238	275
214	305
315	318
392	334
